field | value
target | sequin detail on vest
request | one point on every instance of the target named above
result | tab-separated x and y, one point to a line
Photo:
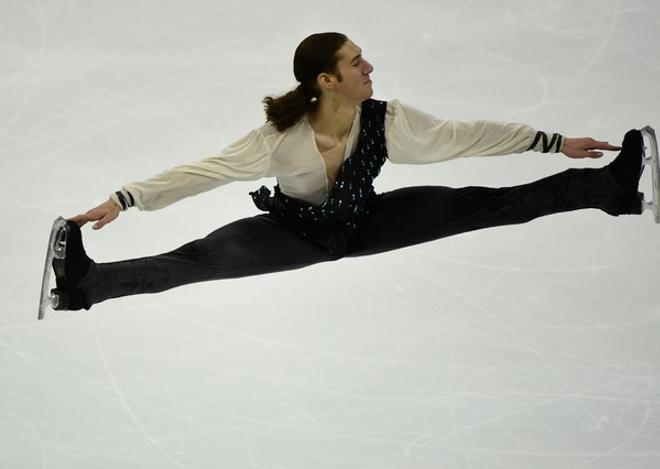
353	188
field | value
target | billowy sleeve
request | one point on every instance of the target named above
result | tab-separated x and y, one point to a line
415	137
247	159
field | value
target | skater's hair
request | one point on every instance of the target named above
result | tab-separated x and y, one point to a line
314	55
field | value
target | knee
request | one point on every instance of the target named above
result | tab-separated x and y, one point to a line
193	251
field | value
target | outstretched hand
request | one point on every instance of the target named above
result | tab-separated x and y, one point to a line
104	213
584	147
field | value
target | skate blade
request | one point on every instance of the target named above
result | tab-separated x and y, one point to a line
651	159
55	249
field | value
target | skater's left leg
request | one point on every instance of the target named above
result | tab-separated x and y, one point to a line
414	215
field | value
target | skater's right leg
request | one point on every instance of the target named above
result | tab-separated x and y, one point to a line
250	246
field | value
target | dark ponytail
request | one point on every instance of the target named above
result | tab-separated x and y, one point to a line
314	55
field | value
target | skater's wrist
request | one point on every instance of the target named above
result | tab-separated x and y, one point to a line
545	142
123	199
116	204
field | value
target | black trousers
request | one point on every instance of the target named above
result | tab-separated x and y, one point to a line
403	217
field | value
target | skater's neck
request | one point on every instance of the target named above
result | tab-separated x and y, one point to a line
333	118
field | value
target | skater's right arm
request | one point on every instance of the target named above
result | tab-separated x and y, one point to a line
103	214
247	159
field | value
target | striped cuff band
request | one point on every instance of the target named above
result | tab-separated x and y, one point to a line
125	202
553	146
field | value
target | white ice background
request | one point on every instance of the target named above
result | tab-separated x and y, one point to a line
527	346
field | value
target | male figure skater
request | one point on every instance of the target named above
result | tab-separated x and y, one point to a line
325	142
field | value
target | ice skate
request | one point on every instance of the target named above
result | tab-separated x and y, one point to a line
68	260
651	160
55	249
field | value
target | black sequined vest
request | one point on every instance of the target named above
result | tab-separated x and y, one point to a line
353	189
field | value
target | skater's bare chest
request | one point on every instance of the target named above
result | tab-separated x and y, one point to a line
332	152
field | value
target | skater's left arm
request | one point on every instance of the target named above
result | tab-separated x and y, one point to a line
585	147
415	137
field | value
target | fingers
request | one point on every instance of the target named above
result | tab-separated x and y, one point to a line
585	154
82	219
604	146
577	152
102	222
78	220
103	216
107	218
585	147
591	144
600	146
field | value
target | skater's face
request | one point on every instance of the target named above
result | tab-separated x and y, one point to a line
352	81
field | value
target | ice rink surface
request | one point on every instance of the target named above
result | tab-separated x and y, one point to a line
527	346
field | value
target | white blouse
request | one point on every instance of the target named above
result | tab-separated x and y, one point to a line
412	137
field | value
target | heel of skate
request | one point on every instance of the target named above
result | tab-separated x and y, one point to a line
636	205
65	299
